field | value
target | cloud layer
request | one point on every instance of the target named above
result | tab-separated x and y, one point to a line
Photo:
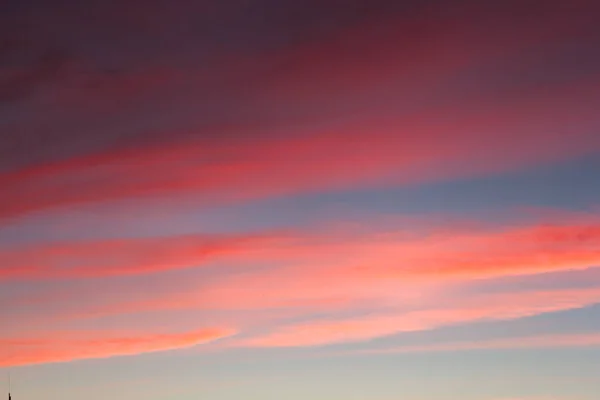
241	103
398	96
312	287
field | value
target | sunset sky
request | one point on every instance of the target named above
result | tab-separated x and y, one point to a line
300	199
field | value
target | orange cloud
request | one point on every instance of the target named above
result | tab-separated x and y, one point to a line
68	347
469	309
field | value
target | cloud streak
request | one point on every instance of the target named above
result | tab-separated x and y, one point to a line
436	253
125	257
302	271
52	348
505	306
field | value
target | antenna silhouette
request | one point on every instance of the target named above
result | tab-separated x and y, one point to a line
9	398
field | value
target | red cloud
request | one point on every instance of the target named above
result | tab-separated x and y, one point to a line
380	144
395	99
60	348
358	153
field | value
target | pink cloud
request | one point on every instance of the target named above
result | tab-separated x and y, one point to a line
406	280
303	273
469	309
123	257
51	347
391	268
312	256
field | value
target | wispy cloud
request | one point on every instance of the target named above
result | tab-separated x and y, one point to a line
467	309
369	282
124	257
405	280
312	255
56	347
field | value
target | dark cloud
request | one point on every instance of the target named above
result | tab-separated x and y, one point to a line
81	77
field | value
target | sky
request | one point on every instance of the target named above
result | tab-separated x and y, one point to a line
300	199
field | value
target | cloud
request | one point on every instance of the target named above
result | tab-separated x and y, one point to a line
388	267
388	281
353	286
435	253
95	259
316	116
465	310
216	102
351	154
526	250
51	347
